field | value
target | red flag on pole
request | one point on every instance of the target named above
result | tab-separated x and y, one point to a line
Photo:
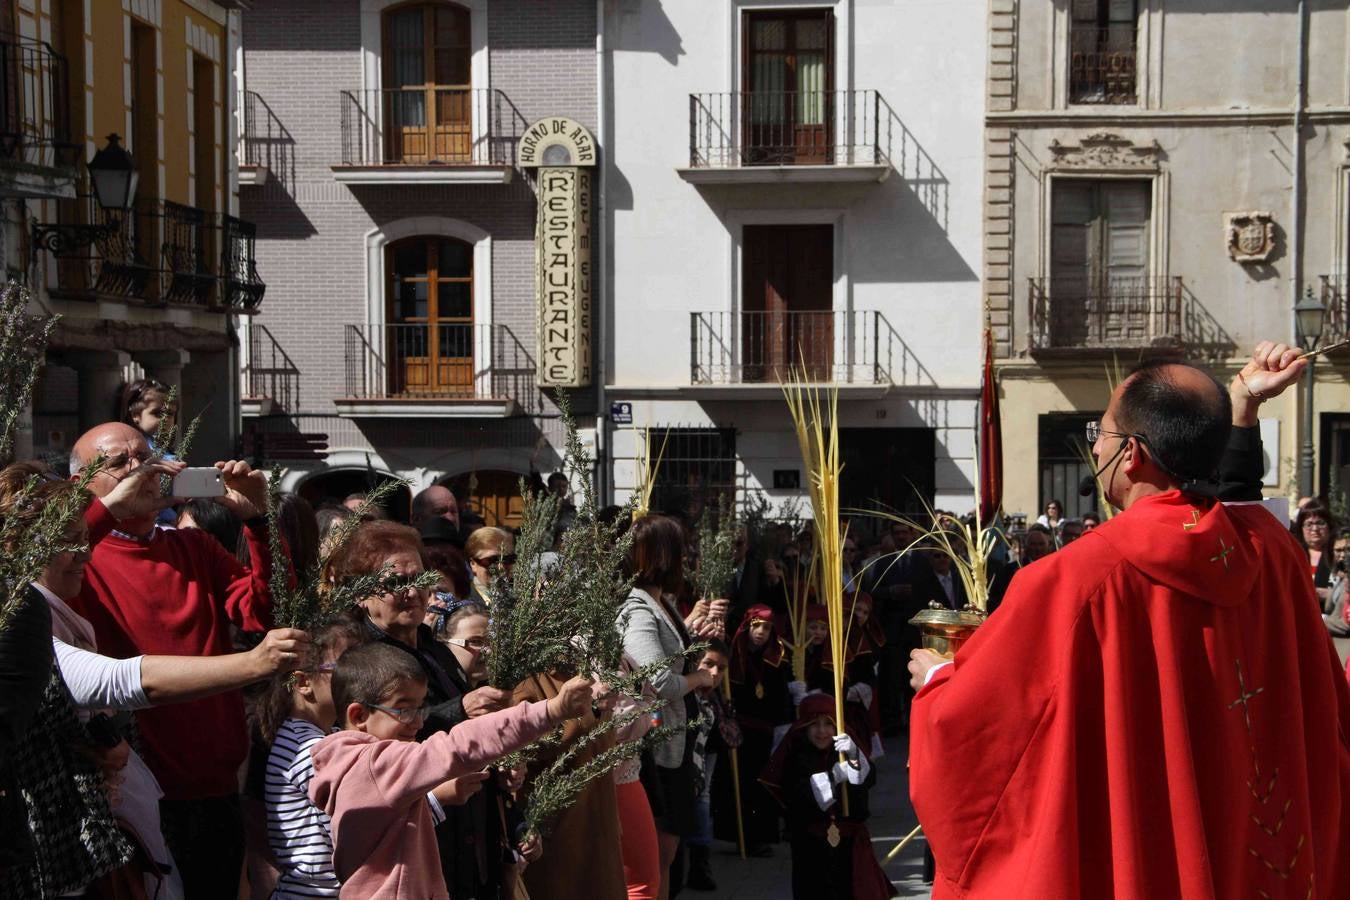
991	438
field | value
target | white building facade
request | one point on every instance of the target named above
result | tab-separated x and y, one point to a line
793	183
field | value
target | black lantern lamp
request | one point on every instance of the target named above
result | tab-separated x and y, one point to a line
1309	320
113	175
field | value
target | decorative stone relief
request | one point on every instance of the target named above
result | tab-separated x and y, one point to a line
1251	236
1105	150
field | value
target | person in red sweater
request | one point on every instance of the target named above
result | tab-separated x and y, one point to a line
151	590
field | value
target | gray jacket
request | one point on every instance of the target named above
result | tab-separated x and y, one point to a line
649	636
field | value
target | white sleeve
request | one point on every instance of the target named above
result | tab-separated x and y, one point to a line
100	682
933	671
437	811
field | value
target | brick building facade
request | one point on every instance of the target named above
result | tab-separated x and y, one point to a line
371	127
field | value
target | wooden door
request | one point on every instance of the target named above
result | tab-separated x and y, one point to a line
787	301
1100	290
430	336
788	105
428	98
492	494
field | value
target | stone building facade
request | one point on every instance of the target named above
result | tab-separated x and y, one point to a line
1161	178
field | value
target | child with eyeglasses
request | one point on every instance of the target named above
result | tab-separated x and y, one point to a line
295	715
372	777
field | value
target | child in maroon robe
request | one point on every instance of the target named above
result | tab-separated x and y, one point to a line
832	856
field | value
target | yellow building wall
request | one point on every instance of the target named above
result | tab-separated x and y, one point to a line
182	28
1026	395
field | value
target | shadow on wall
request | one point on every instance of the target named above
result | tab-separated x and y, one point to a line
649	29
268	144
276	213
1201	334
915	249
912	163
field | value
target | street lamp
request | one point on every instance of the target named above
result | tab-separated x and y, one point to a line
1310	318
113	175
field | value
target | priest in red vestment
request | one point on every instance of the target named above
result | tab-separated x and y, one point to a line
1155	711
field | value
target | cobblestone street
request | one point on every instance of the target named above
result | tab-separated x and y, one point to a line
892	819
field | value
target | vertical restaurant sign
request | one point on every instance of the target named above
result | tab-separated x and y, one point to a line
563	152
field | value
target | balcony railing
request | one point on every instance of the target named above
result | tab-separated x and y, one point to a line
270	373
1336	300
1118	314
1102	65
34	104
431	126
782	128
844	347
441	361
162	253
266	143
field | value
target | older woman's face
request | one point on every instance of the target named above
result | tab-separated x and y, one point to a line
1315	531
405	609
64	575
483	563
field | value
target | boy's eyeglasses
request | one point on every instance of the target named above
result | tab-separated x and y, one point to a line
489	561
327	668
405	716
473	644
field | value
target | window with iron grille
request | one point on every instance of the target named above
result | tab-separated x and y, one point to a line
1103	49
1063	460
698	466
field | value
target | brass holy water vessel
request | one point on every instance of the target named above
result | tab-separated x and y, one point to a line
945	630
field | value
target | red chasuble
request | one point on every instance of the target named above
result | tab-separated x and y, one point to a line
1155	711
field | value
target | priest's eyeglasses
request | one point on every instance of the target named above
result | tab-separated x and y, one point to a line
1095	431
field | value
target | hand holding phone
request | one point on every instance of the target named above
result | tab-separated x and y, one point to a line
198	482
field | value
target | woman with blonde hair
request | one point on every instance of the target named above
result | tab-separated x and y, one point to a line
487	549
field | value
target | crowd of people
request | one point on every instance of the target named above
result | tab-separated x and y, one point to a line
173	743
161	738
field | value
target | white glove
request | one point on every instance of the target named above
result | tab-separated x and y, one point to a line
821	790
844	744
845	772
860	693
798	690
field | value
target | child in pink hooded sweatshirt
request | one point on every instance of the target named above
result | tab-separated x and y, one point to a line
372	779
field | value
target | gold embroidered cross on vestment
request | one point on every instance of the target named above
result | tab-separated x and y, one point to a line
1222	556
1195	520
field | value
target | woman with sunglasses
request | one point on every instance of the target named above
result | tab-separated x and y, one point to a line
397	618
488	550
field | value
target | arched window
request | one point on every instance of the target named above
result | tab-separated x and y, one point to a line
430	331
428	88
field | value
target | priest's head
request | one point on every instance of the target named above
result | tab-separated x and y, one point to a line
1167	425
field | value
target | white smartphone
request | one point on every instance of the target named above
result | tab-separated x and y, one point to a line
203	482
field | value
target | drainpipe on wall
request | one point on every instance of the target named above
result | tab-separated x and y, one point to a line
603	464
1306	456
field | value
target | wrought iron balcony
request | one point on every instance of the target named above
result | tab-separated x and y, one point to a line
161	253
841	347
35	105
409	366
449	127
1115	314
267	148
1102	65
1336	300
837	129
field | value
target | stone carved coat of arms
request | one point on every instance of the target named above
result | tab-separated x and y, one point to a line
1251	237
